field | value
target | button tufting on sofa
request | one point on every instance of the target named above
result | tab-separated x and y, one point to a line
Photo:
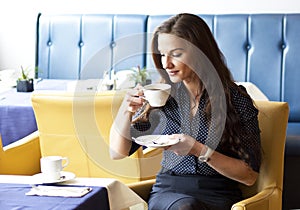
259	48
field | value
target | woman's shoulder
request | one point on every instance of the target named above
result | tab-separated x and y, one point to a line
241	100
239	92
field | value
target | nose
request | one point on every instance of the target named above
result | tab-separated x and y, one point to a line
166	62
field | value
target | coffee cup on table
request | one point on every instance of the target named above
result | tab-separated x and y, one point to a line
157	94
51	166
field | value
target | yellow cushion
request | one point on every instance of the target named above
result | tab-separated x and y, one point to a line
77	125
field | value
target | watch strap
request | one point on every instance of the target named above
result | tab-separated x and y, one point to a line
207	155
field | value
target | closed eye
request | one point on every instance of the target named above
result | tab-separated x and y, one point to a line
176	55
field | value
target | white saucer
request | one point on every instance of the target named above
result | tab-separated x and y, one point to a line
155	141
65	176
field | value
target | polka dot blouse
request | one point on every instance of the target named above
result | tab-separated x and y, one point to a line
175	117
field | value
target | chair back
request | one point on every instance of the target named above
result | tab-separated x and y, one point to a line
77	125
273	118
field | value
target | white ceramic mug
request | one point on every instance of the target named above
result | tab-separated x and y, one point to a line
157	94
51	166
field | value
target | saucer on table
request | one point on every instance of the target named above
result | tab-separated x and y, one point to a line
65	176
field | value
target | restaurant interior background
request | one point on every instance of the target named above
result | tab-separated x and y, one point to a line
18	17
18	36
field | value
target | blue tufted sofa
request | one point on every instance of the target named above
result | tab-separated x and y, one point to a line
260	48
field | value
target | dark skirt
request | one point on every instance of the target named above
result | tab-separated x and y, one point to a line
189	192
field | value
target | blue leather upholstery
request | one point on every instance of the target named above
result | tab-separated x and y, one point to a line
260	48
85	46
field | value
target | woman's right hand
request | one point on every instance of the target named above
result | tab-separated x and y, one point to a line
135	98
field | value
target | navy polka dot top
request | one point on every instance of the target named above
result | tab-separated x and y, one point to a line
175	117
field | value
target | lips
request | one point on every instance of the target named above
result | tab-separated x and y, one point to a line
172	73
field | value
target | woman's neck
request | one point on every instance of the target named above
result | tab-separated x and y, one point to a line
195	90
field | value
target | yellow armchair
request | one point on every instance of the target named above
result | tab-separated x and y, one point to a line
266	194
77	125
21	157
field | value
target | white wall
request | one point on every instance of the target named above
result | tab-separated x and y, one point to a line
18	17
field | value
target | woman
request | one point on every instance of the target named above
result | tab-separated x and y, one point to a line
213	118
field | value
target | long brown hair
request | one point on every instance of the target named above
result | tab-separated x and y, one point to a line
193	29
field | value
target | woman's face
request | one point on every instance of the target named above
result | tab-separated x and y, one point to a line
175	58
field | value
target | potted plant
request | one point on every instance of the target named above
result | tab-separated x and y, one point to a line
140	76
24	82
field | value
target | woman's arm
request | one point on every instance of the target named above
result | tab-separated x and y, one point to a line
120	142
120	138
232	168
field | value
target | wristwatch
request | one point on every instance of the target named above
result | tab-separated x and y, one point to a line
206	156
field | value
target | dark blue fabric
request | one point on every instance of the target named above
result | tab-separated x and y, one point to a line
16	122
176	119
17	118
12	196
211	192
293	129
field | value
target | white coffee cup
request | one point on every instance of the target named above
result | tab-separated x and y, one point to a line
51	166
157	94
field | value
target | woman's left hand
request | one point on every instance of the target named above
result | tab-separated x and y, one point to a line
184	146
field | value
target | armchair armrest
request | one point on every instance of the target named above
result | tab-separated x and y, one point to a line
151	152
142	188
21	157
268	199
150	162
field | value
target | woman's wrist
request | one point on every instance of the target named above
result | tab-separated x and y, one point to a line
197	149
128	115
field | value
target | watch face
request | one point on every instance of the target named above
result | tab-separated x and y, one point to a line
203	159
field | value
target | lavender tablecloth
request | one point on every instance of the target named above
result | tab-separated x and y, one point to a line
12	196
17	118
